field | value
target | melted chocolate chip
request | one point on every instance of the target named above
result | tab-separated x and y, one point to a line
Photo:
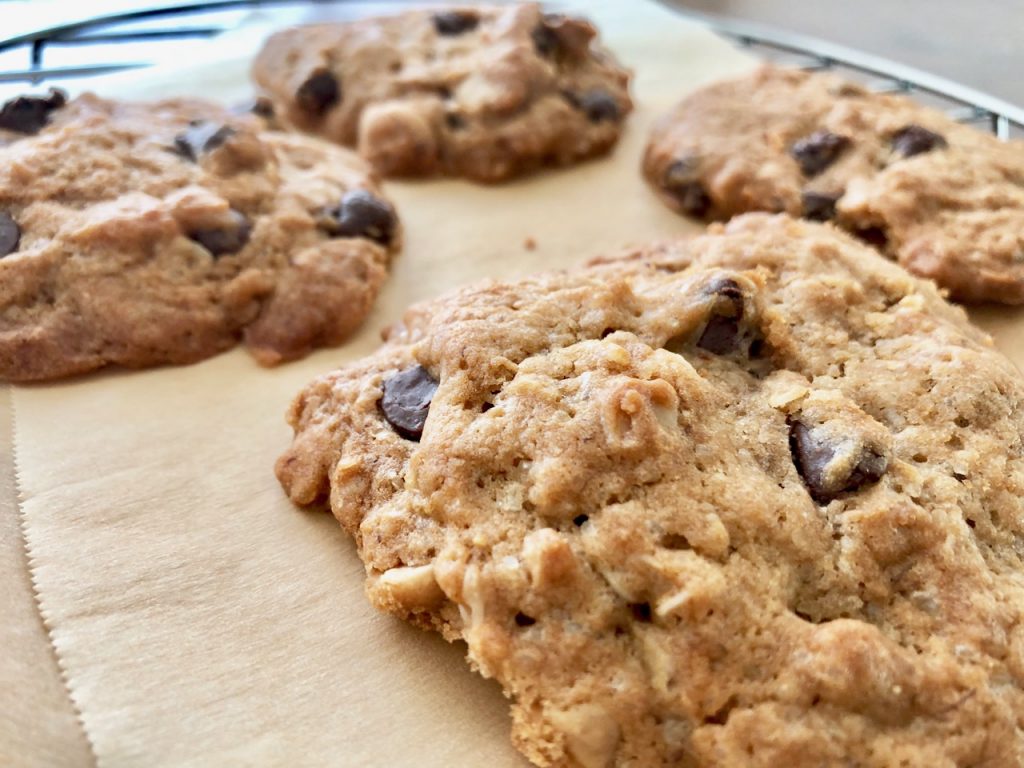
455	22
818	151
201	136
522	620
597	104
28	114
721	335
681	181
812	454
360	214
580	520
818	206
319	92
915	140
545	40
10	234
406	401
224	240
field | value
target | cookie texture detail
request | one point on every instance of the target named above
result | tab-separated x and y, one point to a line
753	498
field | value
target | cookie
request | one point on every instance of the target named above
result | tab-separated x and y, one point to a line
142	234
481	92
943	199
755	499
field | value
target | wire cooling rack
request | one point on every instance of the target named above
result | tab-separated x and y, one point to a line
95	45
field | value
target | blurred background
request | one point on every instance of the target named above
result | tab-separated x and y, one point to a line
978	43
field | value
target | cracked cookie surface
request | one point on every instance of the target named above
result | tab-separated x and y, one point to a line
486	92
753	498
143	234
943	199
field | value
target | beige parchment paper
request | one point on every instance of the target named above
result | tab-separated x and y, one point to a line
36	716
201	619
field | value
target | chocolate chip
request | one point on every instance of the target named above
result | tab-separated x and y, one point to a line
406	401
319	92
580	520
10	234
681	181
522	620
360	214
915	140
28	114
818	151
201	136
812	453
545	39
729	289
596	104
875	236
224	240
818	206
721	335
455	22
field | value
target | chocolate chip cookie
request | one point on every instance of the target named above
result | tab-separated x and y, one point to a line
481	92
755	499
943	199
141	234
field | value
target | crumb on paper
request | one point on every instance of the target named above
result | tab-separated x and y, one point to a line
530	244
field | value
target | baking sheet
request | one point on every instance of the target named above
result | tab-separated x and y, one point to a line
200	618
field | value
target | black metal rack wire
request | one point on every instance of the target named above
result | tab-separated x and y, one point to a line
106	35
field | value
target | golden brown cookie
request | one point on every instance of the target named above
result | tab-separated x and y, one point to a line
943	199
484	92
141	234
754	499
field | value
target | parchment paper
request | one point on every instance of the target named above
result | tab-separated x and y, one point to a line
201	619
36	717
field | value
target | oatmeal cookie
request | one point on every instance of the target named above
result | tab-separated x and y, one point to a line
141	234
484	92
755	498
943	199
